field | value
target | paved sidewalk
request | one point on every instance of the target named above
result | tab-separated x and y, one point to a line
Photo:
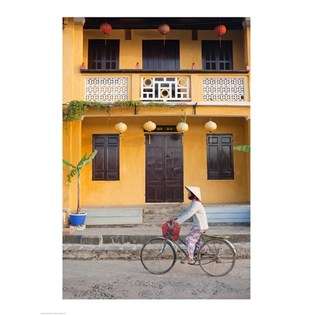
154	229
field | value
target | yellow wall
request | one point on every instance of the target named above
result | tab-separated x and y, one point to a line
72	59
72	131
178	111
130	189
190	51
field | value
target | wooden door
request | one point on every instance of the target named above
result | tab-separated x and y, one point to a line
164	168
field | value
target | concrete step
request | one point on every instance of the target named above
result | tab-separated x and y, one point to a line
162	208
125	251
163	213
156	219
114	215
155	229
160	212
228	213
134	239
216	213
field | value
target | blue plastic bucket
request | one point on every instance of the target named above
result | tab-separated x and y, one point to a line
77	218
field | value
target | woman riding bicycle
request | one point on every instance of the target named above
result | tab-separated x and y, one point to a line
200	222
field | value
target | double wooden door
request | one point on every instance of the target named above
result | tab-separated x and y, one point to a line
160	55
164	168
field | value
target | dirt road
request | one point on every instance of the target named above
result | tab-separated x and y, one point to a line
120	279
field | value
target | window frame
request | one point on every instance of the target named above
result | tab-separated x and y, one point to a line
106	55
94	136
220	176
207	45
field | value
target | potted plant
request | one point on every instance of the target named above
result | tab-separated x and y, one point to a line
79	217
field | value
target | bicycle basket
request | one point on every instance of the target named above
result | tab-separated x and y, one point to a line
171	230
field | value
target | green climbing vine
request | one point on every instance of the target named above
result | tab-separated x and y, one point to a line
75	109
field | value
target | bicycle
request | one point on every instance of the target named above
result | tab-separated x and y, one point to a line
216	256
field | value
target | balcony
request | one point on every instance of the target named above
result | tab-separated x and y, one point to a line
202	88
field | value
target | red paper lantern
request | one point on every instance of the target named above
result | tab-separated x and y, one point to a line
164	29
106	28
220	30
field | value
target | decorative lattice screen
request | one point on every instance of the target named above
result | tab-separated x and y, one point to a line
223	89
106	89
165	89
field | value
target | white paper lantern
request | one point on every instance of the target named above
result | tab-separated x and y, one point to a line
121	127
149	126
182	127
211	126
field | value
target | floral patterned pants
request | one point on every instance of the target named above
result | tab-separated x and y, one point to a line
193	241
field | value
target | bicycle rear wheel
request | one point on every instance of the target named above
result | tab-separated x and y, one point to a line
217	257
158	255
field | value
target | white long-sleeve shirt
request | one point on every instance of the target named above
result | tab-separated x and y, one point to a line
197	211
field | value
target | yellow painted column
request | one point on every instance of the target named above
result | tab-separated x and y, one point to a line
72	59
135	87
68	61
246	27
78	84
72	89
72	142
196	88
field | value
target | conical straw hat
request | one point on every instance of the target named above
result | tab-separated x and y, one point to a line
195	191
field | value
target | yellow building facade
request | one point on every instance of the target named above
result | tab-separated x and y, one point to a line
191	92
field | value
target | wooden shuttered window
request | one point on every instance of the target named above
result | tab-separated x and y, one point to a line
103	55
160	54
220	156
106	162
216	56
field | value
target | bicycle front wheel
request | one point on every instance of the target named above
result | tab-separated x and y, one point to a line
217	257
158	255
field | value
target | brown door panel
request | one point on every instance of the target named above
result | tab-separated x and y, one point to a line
164	168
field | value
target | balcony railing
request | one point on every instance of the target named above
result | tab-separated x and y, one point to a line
106	89
223	89
204	89
165	89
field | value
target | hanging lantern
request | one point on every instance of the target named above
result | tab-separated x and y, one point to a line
149	126
182	126
220	30
210	126
121	127
164	29
106	28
